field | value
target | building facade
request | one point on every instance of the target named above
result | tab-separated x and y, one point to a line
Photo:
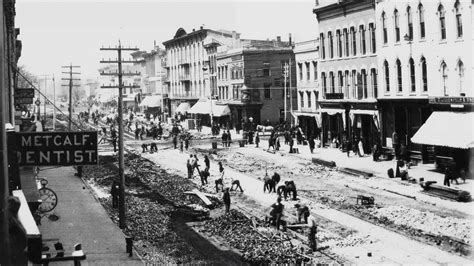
425	57
348	72
307	85
250	80
186	60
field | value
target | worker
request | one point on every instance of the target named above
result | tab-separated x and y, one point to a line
282	190
291	188
207	163
219	181
277	212
204	175
236	183
268	183
276	178
302	211
153	147
189	165
226	199
313	228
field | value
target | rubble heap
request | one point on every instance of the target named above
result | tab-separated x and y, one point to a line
256	247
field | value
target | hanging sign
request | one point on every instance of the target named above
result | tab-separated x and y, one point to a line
57	148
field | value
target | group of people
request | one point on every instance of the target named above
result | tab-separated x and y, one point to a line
226	138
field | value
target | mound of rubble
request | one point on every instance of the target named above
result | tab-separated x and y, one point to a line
426	222
257	246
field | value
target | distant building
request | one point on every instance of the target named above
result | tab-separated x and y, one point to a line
130	95
187	62
348	72
307	84
90	87
250	80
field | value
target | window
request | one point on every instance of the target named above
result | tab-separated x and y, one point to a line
308	71
323	82
301	99
373	73
321	43
410	23
457	7
331	48
235	93
421	13
363	73
315	70
362	39
346	80
424	75
387	76
384	28
372	37
354	84
346	42
353	40
300	70
266	70
412	75
444	78
331	82
397	25
460	71
340	81
308	96
266	90
442	22
399	75
339	43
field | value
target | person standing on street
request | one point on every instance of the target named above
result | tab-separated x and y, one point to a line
277	212
311	143
257	140
226	199
220	180
207	163
189	164
313	228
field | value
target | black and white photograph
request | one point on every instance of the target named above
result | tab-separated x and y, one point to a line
236	132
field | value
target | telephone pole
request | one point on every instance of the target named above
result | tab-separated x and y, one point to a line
45	78
119	61
70	85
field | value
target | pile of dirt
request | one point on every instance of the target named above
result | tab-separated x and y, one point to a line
426	221
257	247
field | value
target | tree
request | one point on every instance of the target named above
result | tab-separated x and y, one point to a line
21	82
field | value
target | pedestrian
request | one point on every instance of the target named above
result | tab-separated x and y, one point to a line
153	147
376	152
396	144
311	144
277	143
277	212
190	165
361	148
195	165
302	212
114	192
226	199
18	237
257	139
292	142
220	180
207	163
271	143
137	132
204	175
186	142
175	141
229	138
142	132
224	139
114	143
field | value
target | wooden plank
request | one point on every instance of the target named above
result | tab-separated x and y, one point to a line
25	216
202	197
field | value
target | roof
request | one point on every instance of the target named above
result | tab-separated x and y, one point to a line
182	35
448	129
151	101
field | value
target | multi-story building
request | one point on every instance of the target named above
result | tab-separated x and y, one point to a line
187	60
425	57
250	80
307	59
348	71
130	95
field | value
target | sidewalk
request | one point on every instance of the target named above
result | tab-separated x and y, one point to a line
82	219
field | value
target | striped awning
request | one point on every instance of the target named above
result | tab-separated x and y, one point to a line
448	129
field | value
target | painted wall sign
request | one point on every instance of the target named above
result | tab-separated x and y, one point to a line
451	100
57	148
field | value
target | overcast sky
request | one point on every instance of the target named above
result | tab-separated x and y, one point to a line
56	33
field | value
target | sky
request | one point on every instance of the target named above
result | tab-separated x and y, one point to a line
58	33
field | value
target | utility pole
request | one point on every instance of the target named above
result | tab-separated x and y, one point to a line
45	78
291	94
285	94
70	79
119	61
54	104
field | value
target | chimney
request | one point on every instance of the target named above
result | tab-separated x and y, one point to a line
279	39
194	29
202	27
289	39
316	2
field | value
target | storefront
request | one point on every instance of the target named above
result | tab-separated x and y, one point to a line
219	113
310	123
365	127
333	126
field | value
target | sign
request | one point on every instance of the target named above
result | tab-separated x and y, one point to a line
57	148
23	100
24	93
451	100
334	96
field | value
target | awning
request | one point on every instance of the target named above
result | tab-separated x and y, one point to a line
129	98
448	129
331	111
204	107
317	116
363	112
151	101
182	107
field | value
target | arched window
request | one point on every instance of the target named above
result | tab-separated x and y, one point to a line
331	82
442	21
399	75
308	94
410	23
421	13
331	47
457	7
424	75
444	78
387	76
323	81
460	71
384	28
412	75
323	47
396	20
